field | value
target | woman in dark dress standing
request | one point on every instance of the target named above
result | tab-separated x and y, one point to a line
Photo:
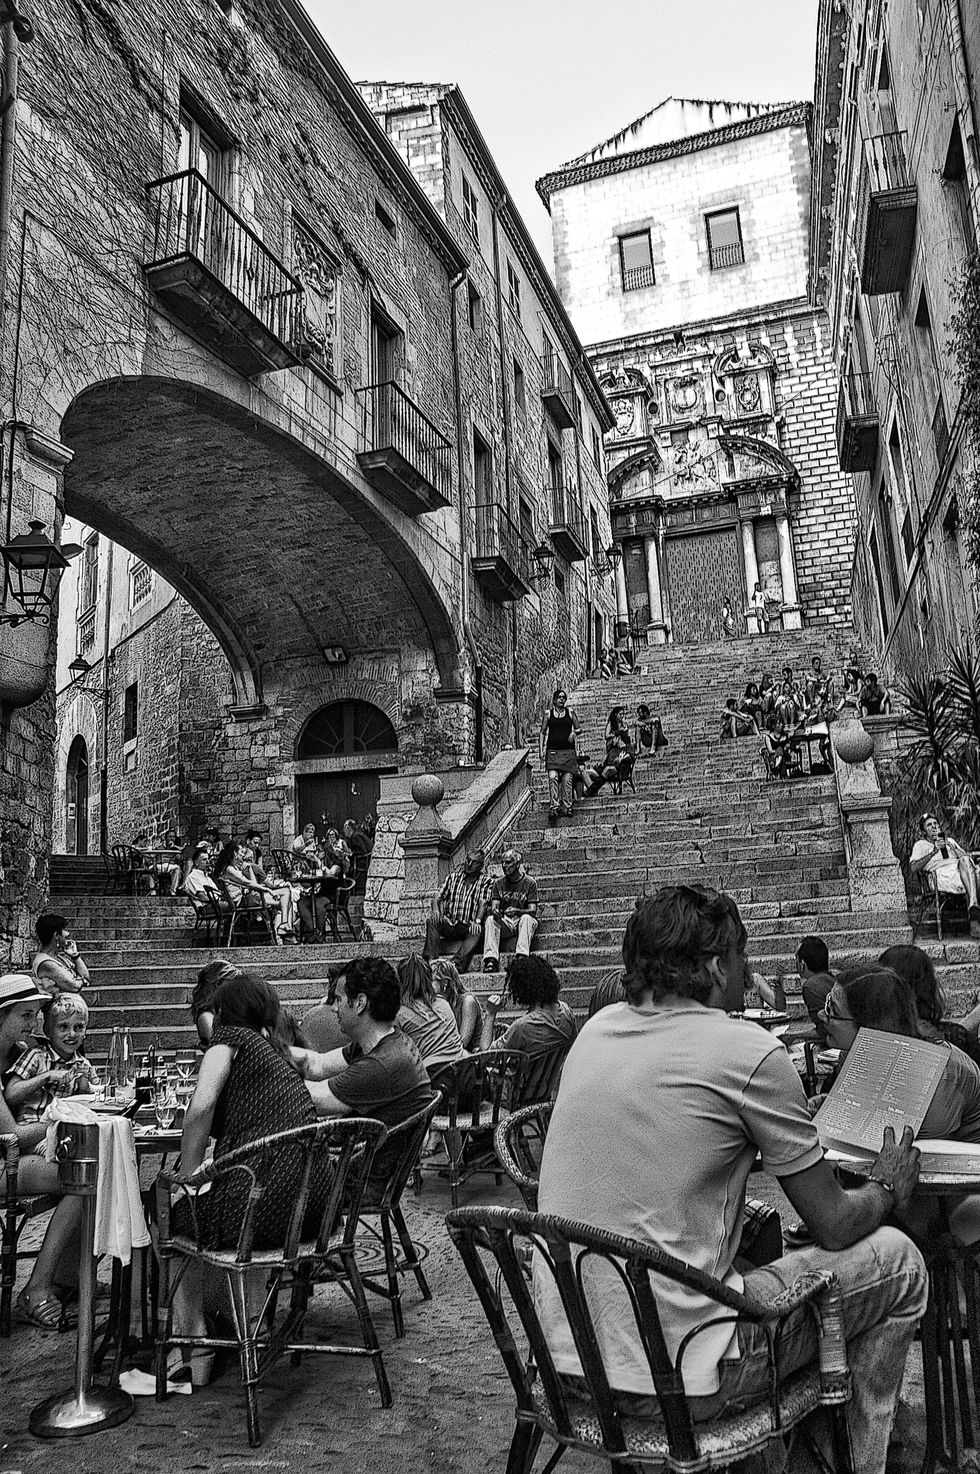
558	753
246	1090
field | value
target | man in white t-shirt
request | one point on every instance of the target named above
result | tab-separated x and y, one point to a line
954	871
664	1105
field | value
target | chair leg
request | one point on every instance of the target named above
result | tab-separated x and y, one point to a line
523	1447
412	1260
368	1333
454	1150
391	1271
247	1356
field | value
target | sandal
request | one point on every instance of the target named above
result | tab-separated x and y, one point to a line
45	1315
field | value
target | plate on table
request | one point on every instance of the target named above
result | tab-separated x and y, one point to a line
828	1059
765	1016
103	1107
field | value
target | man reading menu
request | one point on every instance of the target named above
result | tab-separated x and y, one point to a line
664	1105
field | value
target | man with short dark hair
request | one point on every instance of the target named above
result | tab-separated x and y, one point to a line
459	911
813	966
663	1108
380	1072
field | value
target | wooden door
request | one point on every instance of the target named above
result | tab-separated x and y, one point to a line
76	798
328	800
703	570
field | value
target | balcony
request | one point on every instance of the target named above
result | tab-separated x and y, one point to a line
886	232
409	460
502	564
857	424
724	256
557	390
214	274
566	526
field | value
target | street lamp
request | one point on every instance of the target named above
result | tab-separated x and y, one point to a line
544	558
32	569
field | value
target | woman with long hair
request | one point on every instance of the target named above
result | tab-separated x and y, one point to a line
559	731
425	1016
915	966
465	1006
246	1090
241	884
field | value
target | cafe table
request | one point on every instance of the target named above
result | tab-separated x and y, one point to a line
949	1171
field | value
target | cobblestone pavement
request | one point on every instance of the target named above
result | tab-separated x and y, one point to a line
452	1413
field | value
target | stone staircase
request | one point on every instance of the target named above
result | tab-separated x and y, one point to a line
703	812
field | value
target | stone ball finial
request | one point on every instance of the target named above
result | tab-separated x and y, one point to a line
428	790
852	743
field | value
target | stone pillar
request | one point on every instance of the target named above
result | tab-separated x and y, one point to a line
622	602
427	845
874	875
792	619
656	629
751	575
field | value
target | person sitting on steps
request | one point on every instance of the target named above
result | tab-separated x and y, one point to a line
459	911
513	913
735	723
875	700
954	872
559	731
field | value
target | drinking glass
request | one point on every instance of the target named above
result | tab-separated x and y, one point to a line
165	1105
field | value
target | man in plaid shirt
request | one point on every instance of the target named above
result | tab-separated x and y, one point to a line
459	909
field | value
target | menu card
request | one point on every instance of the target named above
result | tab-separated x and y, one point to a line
885	1080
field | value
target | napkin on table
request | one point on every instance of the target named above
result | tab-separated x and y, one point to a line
120	1224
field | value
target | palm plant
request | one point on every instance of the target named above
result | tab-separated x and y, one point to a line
940	770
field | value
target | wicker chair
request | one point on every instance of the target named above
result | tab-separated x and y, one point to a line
495	1244
16	1210
240	910
928	897
539	1080
518	1141
381	1209
346	1148
475	1092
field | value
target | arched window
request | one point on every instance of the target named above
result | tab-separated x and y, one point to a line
344	728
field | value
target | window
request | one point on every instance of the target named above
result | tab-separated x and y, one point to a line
900	484
884	81
474	307
514	291
556	475
953	175
879	582
520	398
636	261
200	148
482	479
86	633
89	590
140	584
596	448
559	582
385	349
470	213
578	411
888	542
724	239
384	218
130	712
594	529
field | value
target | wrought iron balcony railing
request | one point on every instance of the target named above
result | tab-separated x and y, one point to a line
220	278
888	208
502	562
566	525
557	390
857	423
730	255
407	457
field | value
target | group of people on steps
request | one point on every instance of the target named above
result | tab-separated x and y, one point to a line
574	775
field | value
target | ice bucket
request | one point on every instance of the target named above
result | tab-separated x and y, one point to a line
77	1155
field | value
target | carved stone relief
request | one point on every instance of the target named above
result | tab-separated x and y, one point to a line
320	276
694	465
685	397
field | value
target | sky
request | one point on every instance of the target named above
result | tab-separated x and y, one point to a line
547	79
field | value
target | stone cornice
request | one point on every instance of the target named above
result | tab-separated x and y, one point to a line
797	114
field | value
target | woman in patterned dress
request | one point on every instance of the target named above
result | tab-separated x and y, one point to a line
245	1090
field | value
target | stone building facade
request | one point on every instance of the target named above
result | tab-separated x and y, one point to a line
229	345
682	251
896	215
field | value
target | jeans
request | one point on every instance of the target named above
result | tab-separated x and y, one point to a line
884	1285
560	790
436	931
523	927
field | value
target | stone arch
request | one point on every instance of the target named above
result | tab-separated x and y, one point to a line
648	459
77	718
382	694
355	721
774	462
251	527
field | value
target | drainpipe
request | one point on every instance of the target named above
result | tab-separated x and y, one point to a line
13	32
508	479
464	560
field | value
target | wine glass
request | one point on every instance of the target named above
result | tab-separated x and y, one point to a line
165	1105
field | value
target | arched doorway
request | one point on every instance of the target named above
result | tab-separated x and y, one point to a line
340	756
76	798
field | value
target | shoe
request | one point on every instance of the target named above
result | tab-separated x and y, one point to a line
47	1314
565	813
491	964
552	816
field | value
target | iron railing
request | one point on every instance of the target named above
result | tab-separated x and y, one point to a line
731	255
194	222
565	512
635	278
397	423
885	162
556	380
499	536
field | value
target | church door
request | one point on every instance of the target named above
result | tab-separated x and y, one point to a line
703	569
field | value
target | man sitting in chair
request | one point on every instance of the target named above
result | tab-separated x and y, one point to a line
664	1105
459	910
513	911
953	871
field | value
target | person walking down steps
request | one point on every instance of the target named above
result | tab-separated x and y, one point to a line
559	731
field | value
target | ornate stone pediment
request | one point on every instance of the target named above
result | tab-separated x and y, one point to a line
743	359
633	400
752	459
